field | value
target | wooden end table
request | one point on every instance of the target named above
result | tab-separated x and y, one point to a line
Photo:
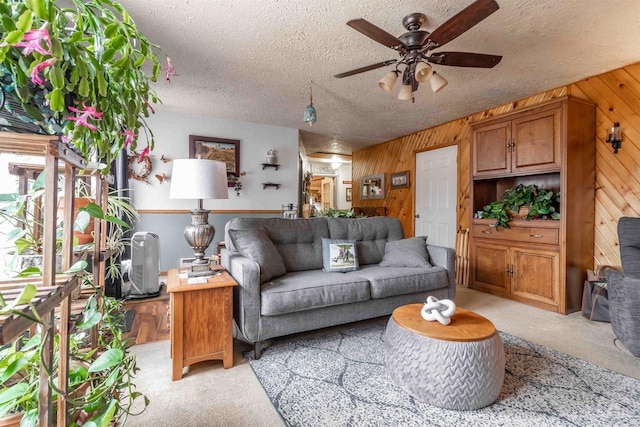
201	320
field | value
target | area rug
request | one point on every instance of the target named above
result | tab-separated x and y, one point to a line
340	379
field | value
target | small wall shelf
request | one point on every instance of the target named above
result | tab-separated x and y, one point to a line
270	165
270	184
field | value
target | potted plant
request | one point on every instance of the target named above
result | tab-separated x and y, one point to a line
537	201
79	69
100	386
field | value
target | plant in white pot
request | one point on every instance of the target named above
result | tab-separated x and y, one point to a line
78	69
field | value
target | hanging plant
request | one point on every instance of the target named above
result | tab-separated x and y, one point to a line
78	71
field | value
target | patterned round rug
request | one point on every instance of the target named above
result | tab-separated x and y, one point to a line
340	379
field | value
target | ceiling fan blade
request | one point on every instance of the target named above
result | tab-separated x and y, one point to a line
463	21
367	68
465	59
377	34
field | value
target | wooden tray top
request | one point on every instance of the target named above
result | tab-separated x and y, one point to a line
465	325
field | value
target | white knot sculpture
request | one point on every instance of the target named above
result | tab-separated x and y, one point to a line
440	310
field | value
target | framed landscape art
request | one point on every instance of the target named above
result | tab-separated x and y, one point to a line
211	148
400	180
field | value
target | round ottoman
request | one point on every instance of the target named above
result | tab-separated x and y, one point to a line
459	366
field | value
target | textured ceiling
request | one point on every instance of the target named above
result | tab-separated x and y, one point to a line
253	60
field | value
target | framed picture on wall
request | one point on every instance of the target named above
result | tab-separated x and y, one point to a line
212	148
400	180
348	194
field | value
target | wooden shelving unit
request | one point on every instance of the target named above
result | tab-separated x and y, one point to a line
54	297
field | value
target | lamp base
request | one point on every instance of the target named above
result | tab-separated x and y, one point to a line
200	270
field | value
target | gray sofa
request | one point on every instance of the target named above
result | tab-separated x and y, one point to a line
278	264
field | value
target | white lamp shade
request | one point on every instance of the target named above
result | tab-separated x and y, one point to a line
198	179
437	82
387	82
405	93
423	72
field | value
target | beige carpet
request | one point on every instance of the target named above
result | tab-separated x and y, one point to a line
209	395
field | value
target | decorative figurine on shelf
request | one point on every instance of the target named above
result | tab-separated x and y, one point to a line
440	310
272	158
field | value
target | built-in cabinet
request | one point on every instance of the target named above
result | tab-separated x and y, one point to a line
540	262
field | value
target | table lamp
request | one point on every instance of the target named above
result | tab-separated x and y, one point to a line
199	179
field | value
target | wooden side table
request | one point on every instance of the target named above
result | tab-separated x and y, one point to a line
201	320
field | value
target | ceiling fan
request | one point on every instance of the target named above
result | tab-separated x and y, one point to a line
415	45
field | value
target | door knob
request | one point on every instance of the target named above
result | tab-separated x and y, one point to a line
417	215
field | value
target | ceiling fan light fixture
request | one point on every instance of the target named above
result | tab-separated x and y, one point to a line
388	81
406	92
437	82
423	72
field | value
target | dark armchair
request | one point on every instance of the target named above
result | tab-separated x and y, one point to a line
624	287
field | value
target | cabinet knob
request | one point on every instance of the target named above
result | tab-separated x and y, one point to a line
486	231
536	236
417	215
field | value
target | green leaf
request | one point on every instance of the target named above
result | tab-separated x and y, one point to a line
27	294
111	30
14	37
14	367
14	392
56	99
7	23
33	112
89	320
22	244
115	220
78	266
102	84
56	48
83	87
56	76
107	360
108	55
30	271
40	9
117	42
25	21
93	210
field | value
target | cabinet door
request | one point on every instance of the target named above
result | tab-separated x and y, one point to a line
490	149
489	263
537	142
536	275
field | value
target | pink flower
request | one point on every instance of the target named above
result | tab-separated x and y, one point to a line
170	71
144	153
86	114
33	39
128	137
35	73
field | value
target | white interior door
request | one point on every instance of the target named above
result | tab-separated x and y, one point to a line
436	195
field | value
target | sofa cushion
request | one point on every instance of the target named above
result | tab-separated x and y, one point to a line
307	290
254	243
299	241
411	252
371	233
390	281
339	255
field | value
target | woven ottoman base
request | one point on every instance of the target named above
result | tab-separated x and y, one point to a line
458	375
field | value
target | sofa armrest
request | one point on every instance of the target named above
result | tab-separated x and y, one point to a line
445	257
247	296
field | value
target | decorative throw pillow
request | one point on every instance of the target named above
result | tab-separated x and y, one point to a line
411	252
339	255
254	243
